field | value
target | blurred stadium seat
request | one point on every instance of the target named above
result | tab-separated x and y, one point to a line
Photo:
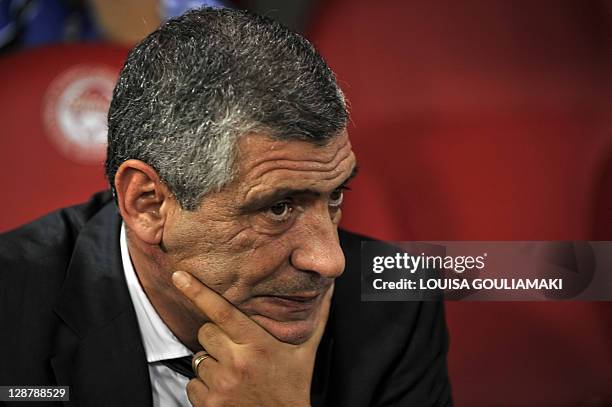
53	101
487	121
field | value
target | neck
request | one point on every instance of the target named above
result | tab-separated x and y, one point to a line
177	312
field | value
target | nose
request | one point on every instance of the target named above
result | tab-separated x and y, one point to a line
318	248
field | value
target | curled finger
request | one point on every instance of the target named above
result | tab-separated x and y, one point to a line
197	392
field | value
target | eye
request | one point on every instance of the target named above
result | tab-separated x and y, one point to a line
280	211
336	197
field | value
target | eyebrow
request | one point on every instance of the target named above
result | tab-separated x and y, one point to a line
266	199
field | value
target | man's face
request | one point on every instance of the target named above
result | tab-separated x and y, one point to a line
268	241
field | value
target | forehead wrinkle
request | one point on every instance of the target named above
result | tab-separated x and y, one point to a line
340	175
268	164
255	149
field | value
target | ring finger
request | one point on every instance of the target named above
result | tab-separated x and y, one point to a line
204	364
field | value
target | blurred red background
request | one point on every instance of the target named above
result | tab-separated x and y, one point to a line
478	120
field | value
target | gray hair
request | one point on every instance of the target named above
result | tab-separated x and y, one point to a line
190	89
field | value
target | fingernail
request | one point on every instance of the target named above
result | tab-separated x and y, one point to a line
180	279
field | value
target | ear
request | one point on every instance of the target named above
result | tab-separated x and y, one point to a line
144	200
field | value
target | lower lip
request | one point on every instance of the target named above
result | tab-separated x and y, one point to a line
297	303
289	320
285	308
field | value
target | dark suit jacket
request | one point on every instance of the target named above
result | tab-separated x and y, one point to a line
67	319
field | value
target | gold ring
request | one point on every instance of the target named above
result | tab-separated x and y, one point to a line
195	363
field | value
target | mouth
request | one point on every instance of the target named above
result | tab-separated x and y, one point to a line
298	297
286	307
290	317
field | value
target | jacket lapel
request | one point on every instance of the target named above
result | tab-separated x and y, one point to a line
323	366
99	352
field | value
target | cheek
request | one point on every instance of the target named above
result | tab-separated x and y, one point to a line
256	258
193	235
234	262
207	248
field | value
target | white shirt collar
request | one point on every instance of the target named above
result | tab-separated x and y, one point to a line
159	342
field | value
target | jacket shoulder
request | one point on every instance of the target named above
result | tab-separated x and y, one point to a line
34	260
52	235
34	257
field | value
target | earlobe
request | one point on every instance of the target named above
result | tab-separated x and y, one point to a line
143	200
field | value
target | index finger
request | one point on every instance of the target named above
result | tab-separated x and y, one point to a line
239	327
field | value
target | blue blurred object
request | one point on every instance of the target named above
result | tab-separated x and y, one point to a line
28	23
173	8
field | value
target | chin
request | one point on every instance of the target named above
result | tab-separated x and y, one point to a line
293	332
